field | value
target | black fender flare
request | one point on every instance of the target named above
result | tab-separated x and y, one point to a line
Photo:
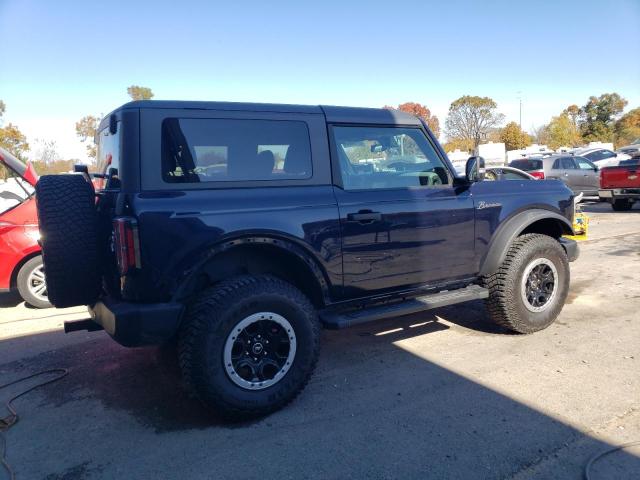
510	229
291	247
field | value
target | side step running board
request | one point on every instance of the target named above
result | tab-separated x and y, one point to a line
338	320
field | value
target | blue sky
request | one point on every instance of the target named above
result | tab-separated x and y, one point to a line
60	60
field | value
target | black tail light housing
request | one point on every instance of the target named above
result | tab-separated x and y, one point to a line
126	244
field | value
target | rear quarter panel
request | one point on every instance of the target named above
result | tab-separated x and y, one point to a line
19	242
178	232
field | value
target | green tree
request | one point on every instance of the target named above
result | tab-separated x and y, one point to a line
627	129
3	107
562	132
420	111
86	129
598	115
514	137
139	93
471	118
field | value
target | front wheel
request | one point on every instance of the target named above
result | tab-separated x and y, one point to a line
529	289
249	345
32	284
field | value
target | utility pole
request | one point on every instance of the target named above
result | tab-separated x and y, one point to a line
520	100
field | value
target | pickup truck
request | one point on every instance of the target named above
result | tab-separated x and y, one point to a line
620	186
238	230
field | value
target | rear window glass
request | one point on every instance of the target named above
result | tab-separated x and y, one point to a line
527	164
215	150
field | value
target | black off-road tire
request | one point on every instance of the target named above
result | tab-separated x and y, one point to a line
622	205
69	238
212	318
23	282
505	303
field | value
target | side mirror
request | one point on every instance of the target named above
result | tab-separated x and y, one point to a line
474	170
595	168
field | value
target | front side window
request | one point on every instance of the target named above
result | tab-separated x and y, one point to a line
218	150
584	164
387	157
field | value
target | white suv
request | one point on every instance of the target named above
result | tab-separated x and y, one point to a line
602	157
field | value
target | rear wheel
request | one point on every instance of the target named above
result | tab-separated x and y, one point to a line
32	284
529	289
69	237
622	205
249	345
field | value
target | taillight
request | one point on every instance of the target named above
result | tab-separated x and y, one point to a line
539	174
126	244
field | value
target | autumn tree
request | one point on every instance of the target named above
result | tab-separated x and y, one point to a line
471	118
598	115
562	132
458	144
514	137
139	93
420	111
12	139
86	129
627	129
573	112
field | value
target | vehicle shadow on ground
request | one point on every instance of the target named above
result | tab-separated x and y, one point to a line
10	299
382	411
604	207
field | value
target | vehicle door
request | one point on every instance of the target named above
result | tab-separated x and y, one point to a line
558	170
571	175
403	222
588	176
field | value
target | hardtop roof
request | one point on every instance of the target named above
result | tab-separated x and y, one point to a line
333	114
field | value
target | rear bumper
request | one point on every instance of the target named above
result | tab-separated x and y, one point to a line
137	324
571	247
610	194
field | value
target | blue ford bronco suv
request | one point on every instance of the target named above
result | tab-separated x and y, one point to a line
239	230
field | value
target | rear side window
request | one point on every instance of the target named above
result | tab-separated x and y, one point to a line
527	165
198	150
108	154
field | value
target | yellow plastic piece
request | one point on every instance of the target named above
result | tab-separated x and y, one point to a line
580	227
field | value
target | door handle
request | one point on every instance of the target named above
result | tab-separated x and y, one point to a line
364	216
565	174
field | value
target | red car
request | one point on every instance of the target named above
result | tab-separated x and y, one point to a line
20	255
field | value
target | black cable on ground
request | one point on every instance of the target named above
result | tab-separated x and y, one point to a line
10	420
587	469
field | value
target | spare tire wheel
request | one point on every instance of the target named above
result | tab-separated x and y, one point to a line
69	238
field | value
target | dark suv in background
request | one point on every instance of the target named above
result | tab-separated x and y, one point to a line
241	229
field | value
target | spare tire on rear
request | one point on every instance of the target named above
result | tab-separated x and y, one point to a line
69	237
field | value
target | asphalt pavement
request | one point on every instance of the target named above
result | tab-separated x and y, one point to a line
441	394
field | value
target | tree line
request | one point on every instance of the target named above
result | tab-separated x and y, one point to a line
473	119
